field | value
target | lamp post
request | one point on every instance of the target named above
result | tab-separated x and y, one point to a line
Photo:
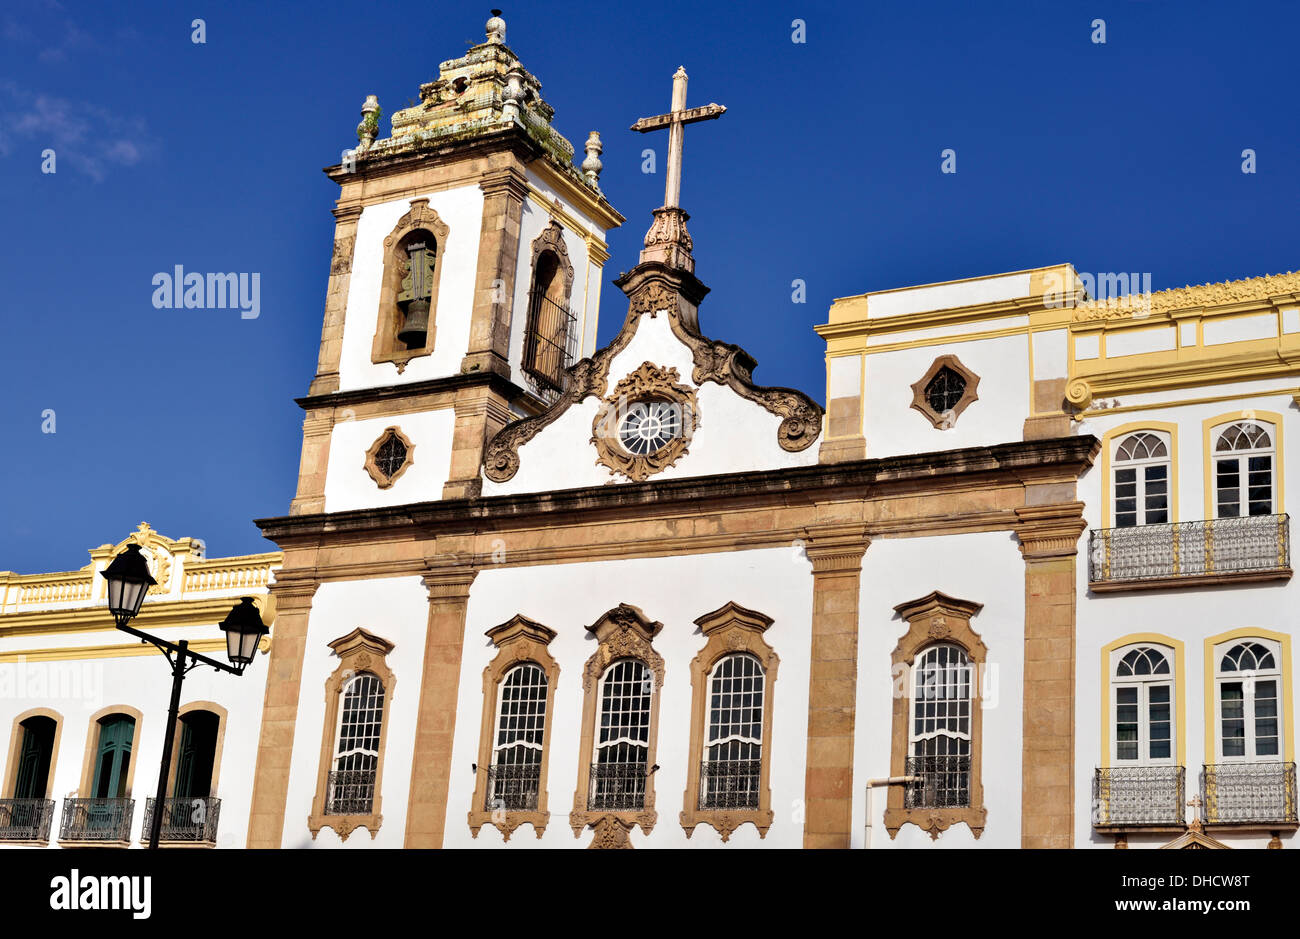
128	581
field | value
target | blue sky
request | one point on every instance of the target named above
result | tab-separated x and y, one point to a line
1117	157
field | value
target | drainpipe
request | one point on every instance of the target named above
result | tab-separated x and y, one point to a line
886	781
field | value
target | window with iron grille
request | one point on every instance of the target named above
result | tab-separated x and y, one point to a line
1142	707
940	729
1243	470
356	755
551	335
619	764
1141	477
733	752
517	749
945	389
391	456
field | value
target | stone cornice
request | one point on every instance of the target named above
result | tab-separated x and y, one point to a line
502	386
952	468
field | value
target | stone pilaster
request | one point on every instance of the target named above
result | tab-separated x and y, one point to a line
504	192
426	814
836	555
1049	418
317	428
293	599
480	413
1049	537
336	300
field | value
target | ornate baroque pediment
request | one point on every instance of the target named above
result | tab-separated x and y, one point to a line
714	361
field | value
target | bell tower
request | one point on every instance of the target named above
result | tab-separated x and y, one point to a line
465	278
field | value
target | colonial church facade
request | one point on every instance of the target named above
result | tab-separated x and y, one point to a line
1023	582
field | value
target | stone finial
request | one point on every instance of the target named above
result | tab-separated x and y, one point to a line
592	166
513	95
496	28
368	129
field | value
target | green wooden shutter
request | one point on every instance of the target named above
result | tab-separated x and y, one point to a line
34	761
114	756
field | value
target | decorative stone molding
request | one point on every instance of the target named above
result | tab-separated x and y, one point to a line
720	362
358	651
519	641
647	383
1050	531
836	548
385	346
552	239
932	619
611	832
730	629
1182	298
622	633
341	260
920	401
377	474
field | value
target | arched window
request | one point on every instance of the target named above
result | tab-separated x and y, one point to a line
35	753
520	734
1248	683
1243	470
26	812
408	292
1141	479
356	754
940	732
733	749
619	763
550	339
1142	697
113	756
196	755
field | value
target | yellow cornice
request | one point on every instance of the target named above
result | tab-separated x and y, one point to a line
153	615
596	209
1102	378
66	653
1183	402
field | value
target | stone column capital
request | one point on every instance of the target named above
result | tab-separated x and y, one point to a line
836	547
1050	531
449	583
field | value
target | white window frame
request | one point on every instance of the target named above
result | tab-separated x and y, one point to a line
1242	458
1248	679
1143	684
1140	466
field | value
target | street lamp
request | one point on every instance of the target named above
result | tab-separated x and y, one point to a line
128	581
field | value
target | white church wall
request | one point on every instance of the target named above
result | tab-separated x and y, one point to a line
461	208
675	591
734	434
893	427
984	568
79	689
349	486
396	609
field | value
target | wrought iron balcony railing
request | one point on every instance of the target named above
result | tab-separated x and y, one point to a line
1253	547
513	788
730	784
103	820
350	792
1138	796
616	787
184	819
26	819
945	782
1248	794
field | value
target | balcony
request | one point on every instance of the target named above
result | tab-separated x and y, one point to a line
617	787
26	820
185	821
944	782
1221	550
1138	797
350	792
1249	795
97	821
513	788
730	784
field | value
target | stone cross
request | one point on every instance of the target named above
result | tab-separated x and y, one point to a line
676	121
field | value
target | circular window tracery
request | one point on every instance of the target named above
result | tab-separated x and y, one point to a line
649	426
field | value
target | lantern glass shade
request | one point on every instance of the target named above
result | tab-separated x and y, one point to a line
244	629
128	581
